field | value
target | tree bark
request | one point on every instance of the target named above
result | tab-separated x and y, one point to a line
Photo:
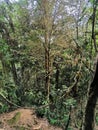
91	103
47	69
46	22
14	72
57	77
93	24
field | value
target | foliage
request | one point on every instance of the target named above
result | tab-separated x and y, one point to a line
41	39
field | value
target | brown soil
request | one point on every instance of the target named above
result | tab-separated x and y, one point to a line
24	119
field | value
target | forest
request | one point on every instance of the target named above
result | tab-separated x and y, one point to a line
49	63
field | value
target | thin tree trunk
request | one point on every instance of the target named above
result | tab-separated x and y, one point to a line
77	31
47	69
93	24
14	72
47	33
57	77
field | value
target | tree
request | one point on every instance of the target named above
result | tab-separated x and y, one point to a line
93	89
51	21
91	102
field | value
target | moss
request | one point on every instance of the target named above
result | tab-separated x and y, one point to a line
15	119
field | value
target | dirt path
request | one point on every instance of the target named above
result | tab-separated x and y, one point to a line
24	119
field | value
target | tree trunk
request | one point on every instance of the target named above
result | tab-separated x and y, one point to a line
47	33
14	72
47	69
57	76
93	24
91	103
77	31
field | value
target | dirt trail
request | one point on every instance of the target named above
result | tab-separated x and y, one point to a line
24	119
